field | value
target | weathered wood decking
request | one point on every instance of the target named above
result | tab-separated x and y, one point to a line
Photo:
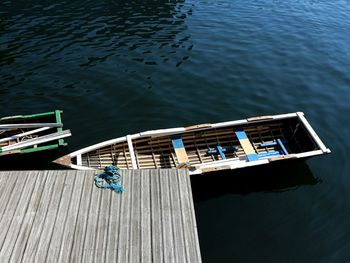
60	216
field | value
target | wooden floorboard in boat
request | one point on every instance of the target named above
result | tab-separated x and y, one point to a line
60	216
159	153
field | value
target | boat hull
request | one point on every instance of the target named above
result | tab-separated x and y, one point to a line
207	147
23	134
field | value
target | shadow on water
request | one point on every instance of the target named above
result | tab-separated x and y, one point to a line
33	161
258	209
269	178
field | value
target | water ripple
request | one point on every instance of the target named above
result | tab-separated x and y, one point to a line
68	32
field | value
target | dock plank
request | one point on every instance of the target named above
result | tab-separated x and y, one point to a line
156	220
178	227
92	226
38	246
124	224
72	217
114	226
5	194
168	247
33	211
188	219
60	216
61	222
17	216
103	224
81	223
146	239
135	221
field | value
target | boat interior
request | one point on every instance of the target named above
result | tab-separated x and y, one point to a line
8	133
251	141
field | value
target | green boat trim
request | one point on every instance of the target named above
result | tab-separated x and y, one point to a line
40	148
28	117
32	149
56	116
59	121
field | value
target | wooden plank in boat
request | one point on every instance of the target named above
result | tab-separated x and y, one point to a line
282	157
202	143
198	127
261	118
180	151
214	169
246	145
212	133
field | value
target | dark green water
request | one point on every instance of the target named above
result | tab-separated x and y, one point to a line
120	67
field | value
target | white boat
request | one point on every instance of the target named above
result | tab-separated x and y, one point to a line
206	147
24	134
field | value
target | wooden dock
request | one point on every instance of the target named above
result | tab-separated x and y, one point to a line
60	216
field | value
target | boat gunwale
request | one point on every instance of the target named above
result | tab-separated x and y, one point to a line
231	162
173	131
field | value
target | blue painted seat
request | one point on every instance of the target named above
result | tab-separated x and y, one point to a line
246	145
221	151
250	151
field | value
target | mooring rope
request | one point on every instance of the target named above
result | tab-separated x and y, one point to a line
109	179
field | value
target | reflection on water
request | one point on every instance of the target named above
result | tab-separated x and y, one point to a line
33	161
266	178
44	38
